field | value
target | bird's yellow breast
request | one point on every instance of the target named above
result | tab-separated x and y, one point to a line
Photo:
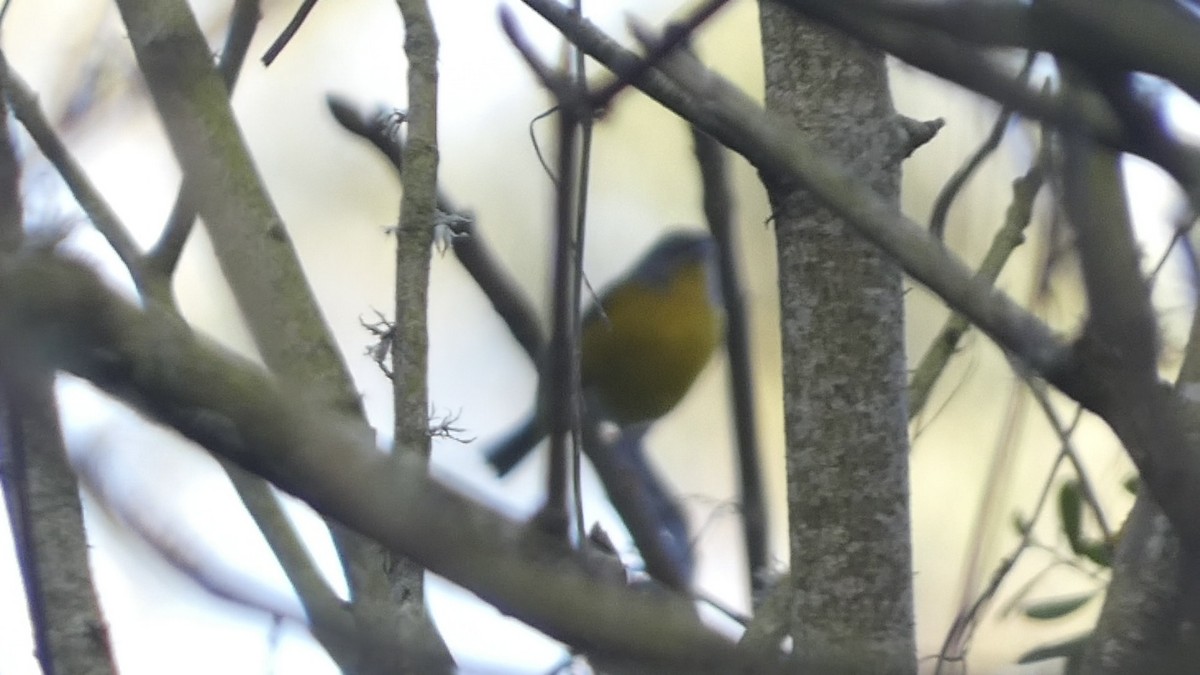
641	356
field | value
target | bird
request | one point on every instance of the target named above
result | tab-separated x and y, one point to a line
643	343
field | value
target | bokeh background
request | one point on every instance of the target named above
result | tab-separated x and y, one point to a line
172	613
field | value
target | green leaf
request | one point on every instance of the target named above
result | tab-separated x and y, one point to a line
1059	607
1071	648
1132	484
1070	512
1099	552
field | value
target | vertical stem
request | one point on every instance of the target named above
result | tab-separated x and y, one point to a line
841	309
410	344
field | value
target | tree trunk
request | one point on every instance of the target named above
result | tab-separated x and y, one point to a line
843	363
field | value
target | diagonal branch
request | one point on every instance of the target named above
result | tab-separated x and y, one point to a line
249	238
26	109
964	64
61	312
945	39
953	186
1011	235
164	255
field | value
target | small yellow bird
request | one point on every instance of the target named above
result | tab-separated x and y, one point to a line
645	342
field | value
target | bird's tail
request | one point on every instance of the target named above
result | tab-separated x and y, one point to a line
508	453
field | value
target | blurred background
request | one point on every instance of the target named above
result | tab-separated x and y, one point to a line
169	606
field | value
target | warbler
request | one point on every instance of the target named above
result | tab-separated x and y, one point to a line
643	343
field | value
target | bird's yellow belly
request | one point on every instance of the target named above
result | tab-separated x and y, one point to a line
641	361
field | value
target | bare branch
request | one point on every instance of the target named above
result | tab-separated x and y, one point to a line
289	31
964	64
151	360
959	635
414	235
162	258
1007	239
410	331
676	36
718	209
952	188
254	251
470	249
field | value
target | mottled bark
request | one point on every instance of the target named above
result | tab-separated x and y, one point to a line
844	371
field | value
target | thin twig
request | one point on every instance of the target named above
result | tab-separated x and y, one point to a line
26	109
643	503
994	481
953	186
376	129
718	209
964	624
418	218
537	146
469	247
289	32
583	171
675	36
513	306
418	161
1088	490
560	370
1007	239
